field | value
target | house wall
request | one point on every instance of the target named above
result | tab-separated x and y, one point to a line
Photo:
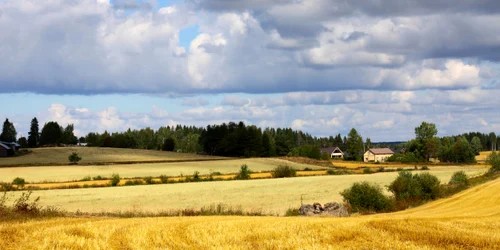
369	156
337	155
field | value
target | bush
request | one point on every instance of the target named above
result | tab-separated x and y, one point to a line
163	179
429	185
149	180
494	160
417	187
308	169
366	197
74	158
325	156
292	212
115	179
19	182
367	171
405	186
196	176
381	169
97	178
424	168
339	172
5	187
459	178
284	171
86	178
244	173
23	204
133	182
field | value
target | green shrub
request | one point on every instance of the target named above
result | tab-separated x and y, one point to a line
429	185
494	160
405	186
381	169
19	182
424	168
86	178
5	187
339	172
133	182
149	180
308	169
74	158
325	156
163	178
459	178
367	171
292	212
244	173
97	178
411	187
284	171
196	176
366	197
115	179
400	169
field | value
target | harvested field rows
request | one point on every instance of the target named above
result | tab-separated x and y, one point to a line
74	173
468	220
271	195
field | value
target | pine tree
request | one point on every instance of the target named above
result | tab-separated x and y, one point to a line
34	134
8	132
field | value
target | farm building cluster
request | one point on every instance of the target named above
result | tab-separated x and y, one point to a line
372	154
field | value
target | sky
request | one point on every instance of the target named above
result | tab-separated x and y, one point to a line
321	66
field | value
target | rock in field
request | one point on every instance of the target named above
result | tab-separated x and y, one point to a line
333	209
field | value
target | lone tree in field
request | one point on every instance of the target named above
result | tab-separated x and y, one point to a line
74	158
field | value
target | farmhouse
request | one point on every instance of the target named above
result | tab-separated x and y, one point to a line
333	152
377	154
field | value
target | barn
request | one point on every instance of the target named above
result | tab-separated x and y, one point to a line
4	150
377	154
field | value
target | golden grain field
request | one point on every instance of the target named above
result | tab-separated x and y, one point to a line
59	155
271	195
483	155
72	173
468	220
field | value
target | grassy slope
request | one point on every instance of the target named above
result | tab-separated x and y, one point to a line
70	173
468	220
271	195
58	156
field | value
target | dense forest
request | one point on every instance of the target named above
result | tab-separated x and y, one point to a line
240	140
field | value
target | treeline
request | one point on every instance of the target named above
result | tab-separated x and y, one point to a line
52	134
179	138
453	149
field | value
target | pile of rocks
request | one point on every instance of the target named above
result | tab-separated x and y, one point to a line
334	209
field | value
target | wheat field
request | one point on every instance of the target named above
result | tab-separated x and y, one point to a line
468	220
59	155
273	196
72	173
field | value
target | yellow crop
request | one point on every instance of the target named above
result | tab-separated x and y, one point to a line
468	220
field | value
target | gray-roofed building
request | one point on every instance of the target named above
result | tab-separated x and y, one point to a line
377	154
333	152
